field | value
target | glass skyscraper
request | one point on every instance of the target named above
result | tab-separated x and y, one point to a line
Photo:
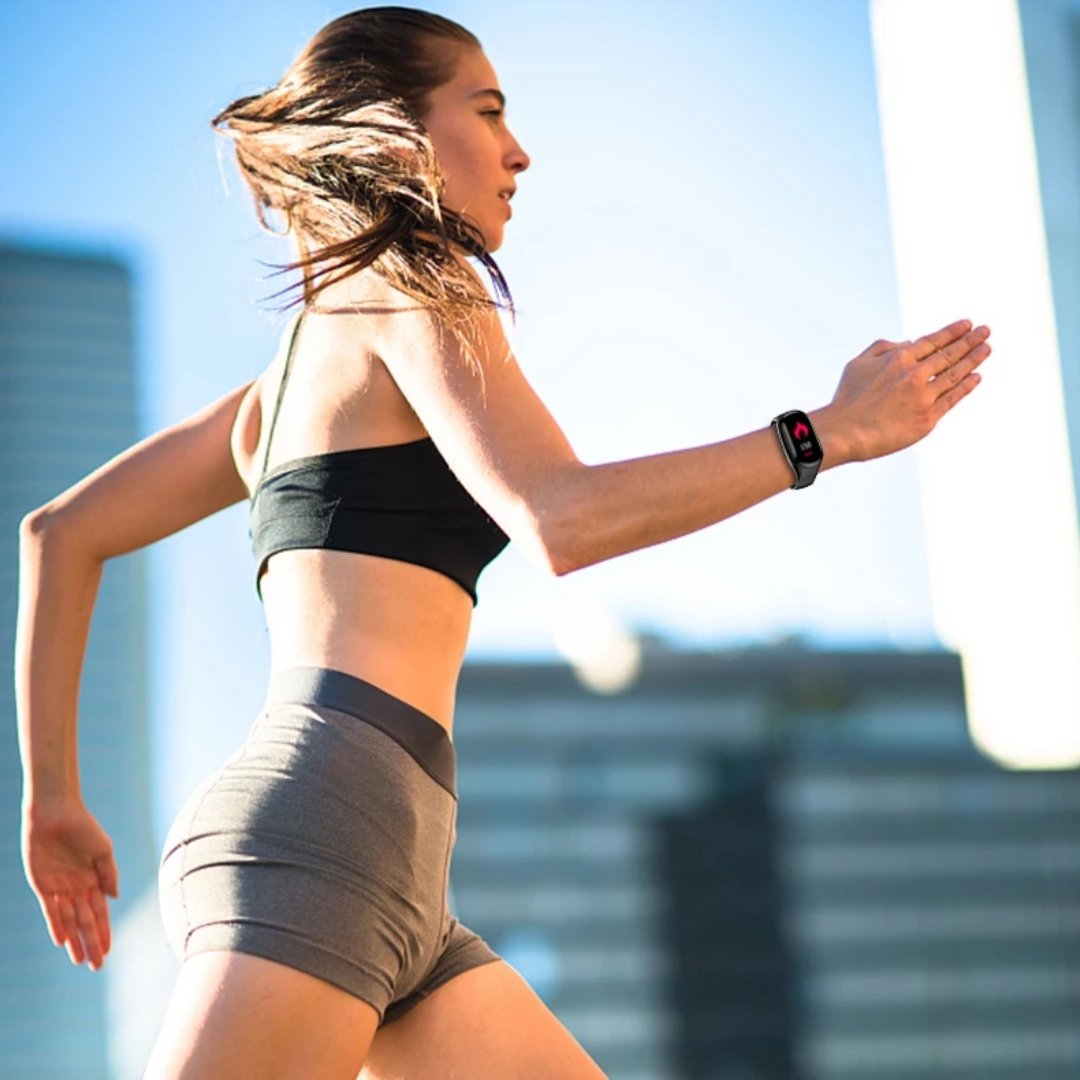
68	403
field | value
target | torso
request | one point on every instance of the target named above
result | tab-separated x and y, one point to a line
400	626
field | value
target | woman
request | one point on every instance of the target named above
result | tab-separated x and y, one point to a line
303	885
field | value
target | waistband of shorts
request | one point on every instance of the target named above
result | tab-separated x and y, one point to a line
421	735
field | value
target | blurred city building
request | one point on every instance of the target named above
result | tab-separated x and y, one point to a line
68	402
777	863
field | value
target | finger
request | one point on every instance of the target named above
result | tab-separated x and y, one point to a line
52	920
100	911
924	346
84	913
108	877
951	397
66	908
958	358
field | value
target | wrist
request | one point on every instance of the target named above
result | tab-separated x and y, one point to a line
838	444
38	806
48	786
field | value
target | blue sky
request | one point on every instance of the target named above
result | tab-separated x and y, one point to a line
701	243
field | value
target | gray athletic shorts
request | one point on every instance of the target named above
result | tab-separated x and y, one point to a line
324	843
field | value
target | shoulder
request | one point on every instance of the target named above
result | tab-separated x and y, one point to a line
403	328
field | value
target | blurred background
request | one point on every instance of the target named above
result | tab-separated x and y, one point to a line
796	796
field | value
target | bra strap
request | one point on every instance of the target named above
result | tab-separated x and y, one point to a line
281	390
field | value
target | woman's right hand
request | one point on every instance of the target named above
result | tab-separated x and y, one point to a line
69	863
894	393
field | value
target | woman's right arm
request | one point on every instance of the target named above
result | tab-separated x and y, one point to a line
508	451
151	490
170	480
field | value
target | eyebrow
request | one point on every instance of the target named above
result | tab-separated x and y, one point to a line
497	94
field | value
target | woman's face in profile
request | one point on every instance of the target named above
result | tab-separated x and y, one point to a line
477	154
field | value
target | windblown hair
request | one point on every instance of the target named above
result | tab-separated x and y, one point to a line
339	148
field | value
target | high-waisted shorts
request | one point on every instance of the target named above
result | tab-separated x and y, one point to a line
324	843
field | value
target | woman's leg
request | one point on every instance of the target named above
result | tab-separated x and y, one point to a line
235	1015
485	1024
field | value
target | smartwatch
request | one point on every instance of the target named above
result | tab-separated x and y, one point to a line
800	444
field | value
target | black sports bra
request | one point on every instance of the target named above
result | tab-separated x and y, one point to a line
400	501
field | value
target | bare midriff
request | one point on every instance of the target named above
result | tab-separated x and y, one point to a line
400	626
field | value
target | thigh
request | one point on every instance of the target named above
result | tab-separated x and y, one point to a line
235	1015
484	1024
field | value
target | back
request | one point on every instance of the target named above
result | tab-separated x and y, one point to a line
339	394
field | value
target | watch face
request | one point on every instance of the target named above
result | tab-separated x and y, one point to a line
805	445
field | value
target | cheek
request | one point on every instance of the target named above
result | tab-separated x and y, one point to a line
453	163
462	171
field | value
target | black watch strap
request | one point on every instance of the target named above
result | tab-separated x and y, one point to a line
800	444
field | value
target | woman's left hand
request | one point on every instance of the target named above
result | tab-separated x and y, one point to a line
69	863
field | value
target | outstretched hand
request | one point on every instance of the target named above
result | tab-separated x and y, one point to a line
894	393
69	863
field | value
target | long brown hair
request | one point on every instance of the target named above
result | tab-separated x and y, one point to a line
338	147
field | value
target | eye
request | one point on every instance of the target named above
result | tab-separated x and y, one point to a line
492	112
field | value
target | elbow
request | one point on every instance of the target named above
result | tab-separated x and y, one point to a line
545	524
46	528
561	558
559	530
542	544
34	525
558	561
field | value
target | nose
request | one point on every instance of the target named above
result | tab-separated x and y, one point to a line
516	158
